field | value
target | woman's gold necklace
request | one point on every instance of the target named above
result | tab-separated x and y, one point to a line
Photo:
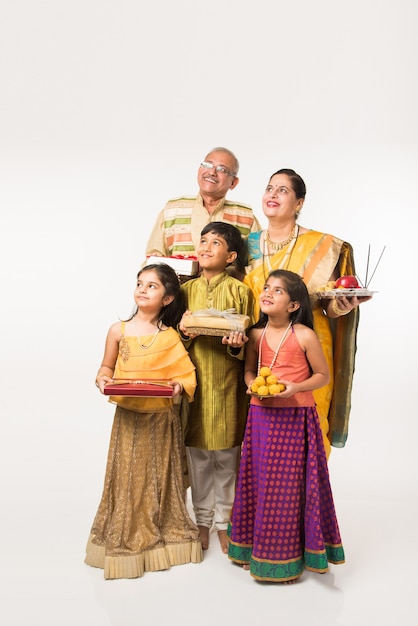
279	245
139	338
285	262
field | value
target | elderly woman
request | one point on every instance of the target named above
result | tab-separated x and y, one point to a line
318	258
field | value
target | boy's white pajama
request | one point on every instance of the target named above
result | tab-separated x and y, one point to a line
212	474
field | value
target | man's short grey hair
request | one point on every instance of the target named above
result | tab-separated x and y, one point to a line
231	154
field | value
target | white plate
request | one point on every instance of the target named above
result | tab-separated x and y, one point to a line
348	293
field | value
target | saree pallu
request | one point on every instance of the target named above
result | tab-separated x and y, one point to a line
283	518
314	256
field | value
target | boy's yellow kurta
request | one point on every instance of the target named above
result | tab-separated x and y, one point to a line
218	414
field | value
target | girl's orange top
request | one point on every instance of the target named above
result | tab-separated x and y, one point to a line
291	364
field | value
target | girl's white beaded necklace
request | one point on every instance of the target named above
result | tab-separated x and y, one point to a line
154	337
277	349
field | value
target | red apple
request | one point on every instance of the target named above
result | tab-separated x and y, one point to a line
346	282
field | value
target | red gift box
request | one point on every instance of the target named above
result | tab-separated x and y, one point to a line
145	388
182	265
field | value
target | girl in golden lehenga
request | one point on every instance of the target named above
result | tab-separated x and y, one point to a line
318	258
142	523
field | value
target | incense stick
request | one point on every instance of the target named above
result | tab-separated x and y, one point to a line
367	266
381	254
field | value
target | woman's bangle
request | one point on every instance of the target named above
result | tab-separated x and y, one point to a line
335	309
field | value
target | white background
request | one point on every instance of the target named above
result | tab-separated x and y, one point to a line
106	110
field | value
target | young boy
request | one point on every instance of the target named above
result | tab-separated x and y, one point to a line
216	419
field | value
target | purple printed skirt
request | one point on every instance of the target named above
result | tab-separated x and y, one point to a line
283	519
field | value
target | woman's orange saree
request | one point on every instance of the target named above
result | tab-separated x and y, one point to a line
314	256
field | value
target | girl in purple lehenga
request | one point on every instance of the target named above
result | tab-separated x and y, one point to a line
283	518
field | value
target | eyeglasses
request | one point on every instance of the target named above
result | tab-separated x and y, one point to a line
220	169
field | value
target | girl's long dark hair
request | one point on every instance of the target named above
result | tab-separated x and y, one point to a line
171	314
298	292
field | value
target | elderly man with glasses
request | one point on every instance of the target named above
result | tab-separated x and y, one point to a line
178	226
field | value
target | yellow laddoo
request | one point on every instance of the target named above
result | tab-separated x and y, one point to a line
265	371
263	390
276	388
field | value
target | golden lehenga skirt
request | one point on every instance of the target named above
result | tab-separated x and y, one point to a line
142	523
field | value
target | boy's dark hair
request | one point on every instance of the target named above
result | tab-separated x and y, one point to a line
298	292
171	314
232	236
